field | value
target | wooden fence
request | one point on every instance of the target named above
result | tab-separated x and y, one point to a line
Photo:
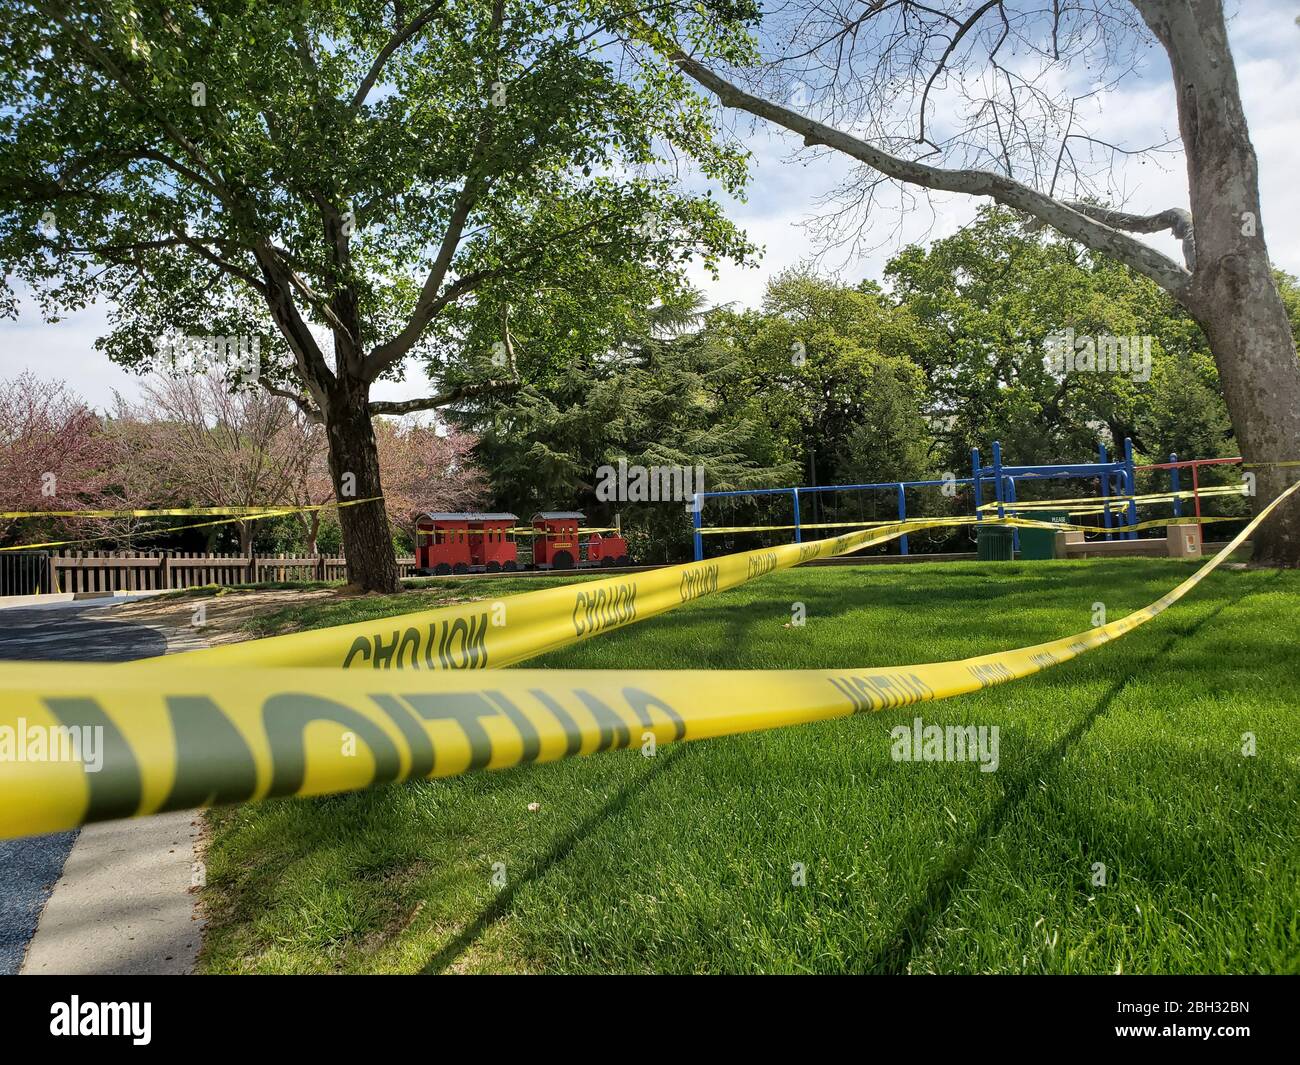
32	572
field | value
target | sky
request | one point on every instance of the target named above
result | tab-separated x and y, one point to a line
787	190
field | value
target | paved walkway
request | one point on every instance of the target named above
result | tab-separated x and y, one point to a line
122	904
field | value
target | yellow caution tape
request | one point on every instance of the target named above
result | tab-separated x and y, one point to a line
1025	523
528	530
1118	500
490	634
519	530
928	523
183	528
486	634
1154	523
714	530
85	743
172	512
118	536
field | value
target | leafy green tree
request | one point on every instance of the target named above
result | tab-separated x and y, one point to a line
664	395
992	298
1184	411
337	182
834	369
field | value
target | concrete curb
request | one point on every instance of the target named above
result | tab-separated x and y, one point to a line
55	598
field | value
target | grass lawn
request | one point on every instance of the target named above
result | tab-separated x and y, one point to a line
1130	756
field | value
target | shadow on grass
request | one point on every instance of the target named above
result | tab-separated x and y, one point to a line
915	927
1020	606
500	906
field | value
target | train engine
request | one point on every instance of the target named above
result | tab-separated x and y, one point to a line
557	543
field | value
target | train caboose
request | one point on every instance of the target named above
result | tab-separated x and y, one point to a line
558	545
465	543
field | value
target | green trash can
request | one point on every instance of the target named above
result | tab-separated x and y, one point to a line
1039	544
994	543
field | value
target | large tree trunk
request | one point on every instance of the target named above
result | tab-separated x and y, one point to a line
1233	295
1260	375
354	465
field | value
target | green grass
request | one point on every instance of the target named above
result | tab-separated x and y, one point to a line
1129	756
424	594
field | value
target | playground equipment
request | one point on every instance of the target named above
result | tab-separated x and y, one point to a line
558	543
898	487
486	543
1174	466
1116	478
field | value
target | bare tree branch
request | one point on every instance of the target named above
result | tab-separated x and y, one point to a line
1177	220
1002	188
943	60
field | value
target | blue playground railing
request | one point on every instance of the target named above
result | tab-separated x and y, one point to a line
1117	477
1114	476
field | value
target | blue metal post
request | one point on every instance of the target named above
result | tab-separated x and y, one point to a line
697	510
902	516
1011	497
798	537
997	476
1173	486
975	477
1131	477
1105	489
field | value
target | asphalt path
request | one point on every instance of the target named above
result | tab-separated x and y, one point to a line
29	868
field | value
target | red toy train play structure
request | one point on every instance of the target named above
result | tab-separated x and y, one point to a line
485	543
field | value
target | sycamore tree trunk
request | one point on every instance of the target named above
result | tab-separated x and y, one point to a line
354	466
1260	375
1232	294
